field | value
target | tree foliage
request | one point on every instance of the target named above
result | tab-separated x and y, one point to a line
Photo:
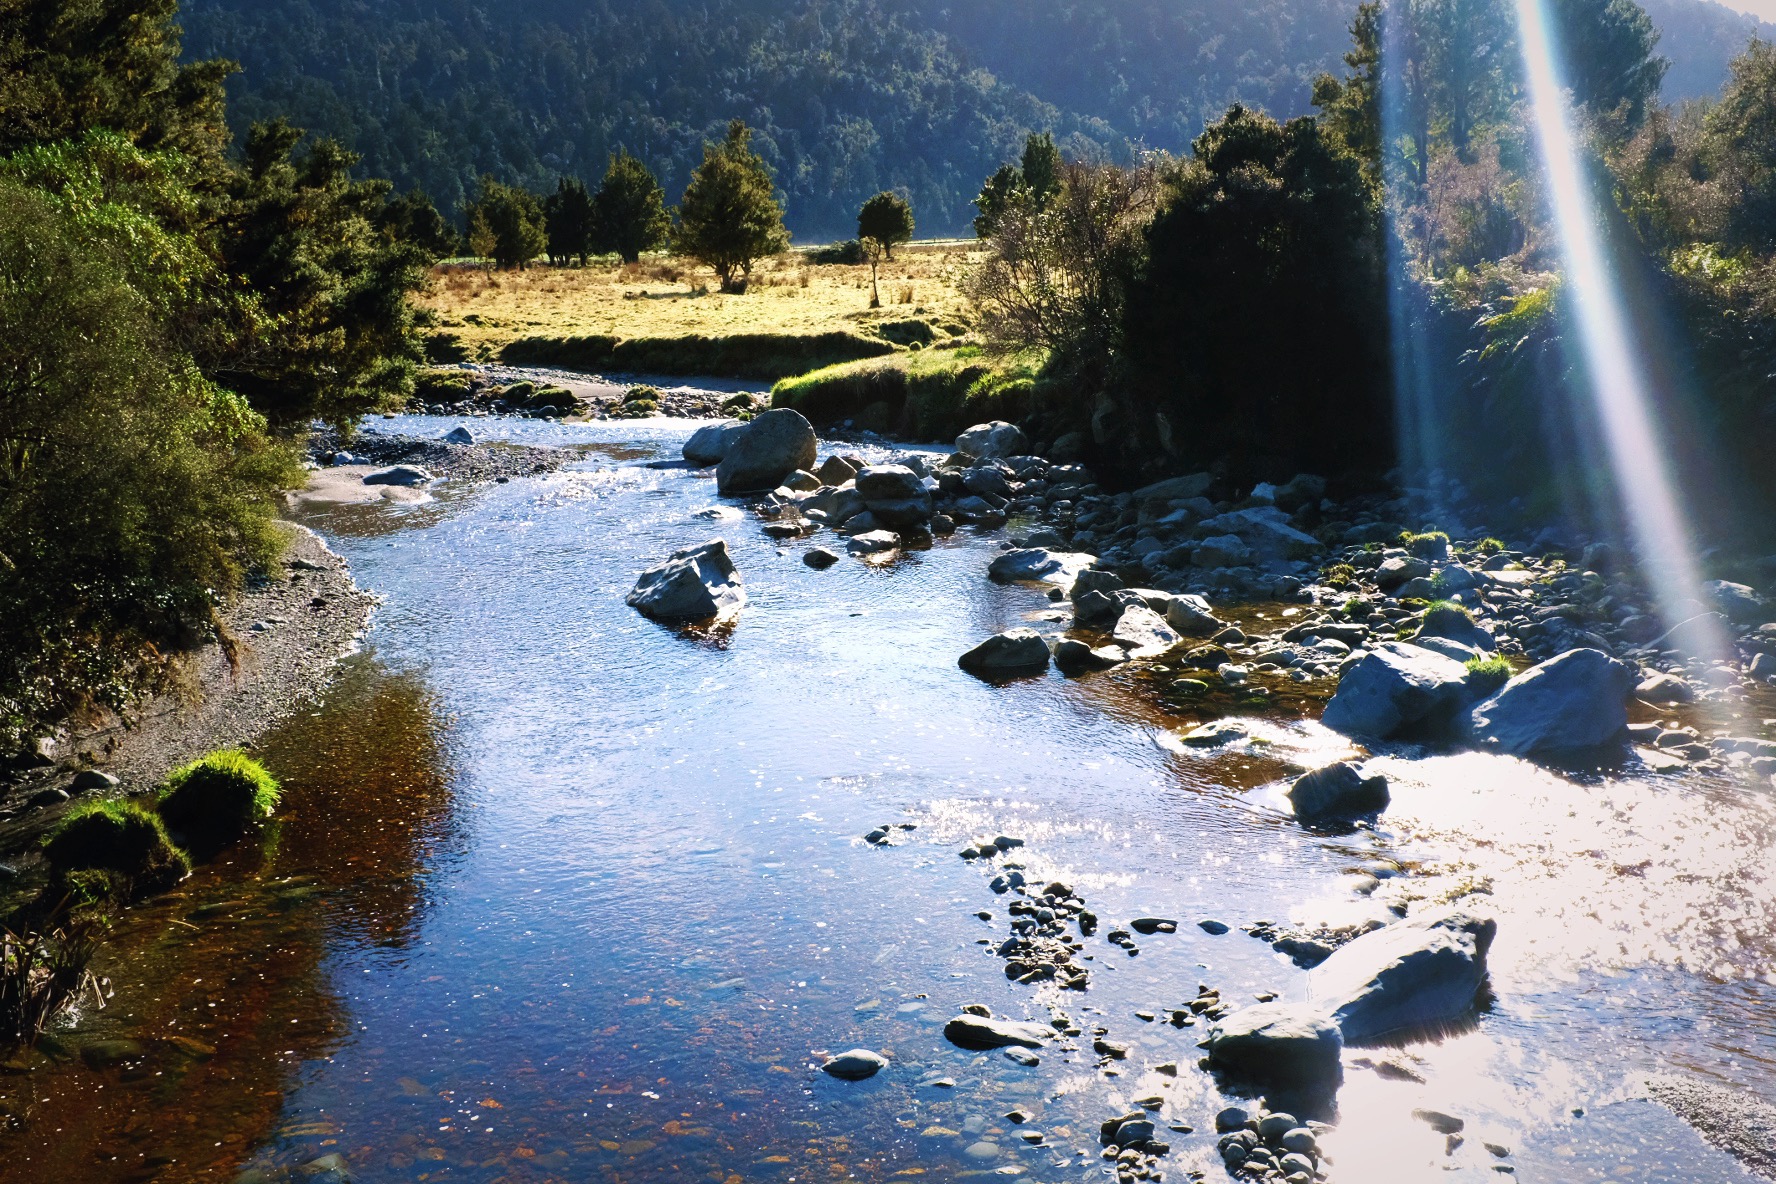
506	224
730	216
570	222
886	219
1259	316
631	209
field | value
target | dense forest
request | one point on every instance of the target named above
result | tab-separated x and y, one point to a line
845	97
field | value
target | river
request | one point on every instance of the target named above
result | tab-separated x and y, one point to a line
559	894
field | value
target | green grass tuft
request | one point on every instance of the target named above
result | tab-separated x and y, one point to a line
216	798
1444	614
1490	546
1432	544
1488	674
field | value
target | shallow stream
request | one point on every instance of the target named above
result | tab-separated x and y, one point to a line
559	894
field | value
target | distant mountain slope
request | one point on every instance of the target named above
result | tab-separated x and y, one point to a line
847	96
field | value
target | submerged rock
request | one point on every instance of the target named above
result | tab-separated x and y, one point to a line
770	448
692	584
980	1033
1394	687
1572	702
398	475
1014	651
855	1065
819	558
1416	977
1338	791
1073	656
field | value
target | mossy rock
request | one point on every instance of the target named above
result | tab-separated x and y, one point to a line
639	409
442	386
558	397
642	394
113	851
214	800
518	392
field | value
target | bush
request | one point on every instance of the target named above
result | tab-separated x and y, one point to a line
1486	675
848	252
217	798
113	850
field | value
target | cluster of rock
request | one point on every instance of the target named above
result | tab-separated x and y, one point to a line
1415	979
1269	1145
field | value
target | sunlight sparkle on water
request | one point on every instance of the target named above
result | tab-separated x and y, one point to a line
1615	373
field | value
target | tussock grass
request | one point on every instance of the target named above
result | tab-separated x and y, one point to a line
1488	674
112	851
218	797
926	394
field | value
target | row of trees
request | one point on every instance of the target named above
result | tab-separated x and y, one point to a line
169	316
729	218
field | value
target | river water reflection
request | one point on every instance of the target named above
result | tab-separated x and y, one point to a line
562	895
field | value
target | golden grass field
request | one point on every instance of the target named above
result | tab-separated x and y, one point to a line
668	297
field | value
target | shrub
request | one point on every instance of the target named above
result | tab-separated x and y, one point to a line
113	850
1432	544
848	252
1488	674
215	799
730	217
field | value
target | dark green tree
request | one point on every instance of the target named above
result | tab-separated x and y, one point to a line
1740	148
1350	108
886	219
337	338
1002	190
1606	47
1042	168
1472	51
569	221
730	216
511	223
1260	316
412	218
631	209
67	68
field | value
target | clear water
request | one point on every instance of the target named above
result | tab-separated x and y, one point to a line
559	894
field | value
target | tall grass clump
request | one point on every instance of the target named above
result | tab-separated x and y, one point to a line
1487	674
42	974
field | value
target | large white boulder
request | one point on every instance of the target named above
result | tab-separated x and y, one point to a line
1576	701
1394	687
774	445
1413	978
1143	633
692	584
1038	563
709	444
991	440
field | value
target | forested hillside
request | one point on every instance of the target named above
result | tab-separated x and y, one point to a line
846	97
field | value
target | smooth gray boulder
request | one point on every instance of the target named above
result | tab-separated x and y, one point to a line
1015	651
895	494
834	507
1575	701
1394	687
1284	1044
771	447
1266	530
1191	616
836	470
1338	791
992	440
1037	563
692	584
1412	978
1449	649
873	542
979	1033
1457	627
460	434
398	475
710	443
856	1064
1144	633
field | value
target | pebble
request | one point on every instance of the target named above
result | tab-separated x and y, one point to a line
855	1065
1212	927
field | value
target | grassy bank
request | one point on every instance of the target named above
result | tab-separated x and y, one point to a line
663	316
928	394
